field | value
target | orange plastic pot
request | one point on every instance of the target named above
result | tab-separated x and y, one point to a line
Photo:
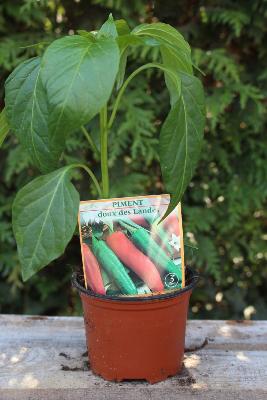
136	337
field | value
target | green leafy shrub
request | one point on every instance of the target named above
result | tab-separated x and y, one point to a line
50	97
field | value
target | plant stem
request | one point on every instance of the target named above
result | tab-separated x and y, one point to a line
104	151
121	91
90	141
106	125
92	176
128	80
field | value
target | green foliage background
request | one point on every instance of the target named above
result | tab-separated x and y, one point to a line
224	207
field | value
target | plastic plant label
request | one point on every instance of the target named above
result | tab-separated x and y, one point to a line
126	251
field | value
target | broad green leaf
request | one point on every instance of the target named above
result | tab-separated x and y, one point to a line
4	126
89	35
78	75
108	29
175	51
165	34
178	62
27	112
120	30
44	219
181	139
174	78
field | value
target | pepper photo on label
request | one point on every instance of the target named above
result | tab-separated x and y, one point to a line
135	260
127	250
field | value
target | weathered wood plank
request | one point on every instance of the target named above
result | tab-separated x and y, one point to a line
43	358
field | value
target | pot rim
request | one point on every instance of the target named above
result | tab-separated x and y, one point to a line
191	280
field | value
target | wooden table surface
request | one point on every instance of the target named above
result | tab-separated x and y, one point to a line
45	358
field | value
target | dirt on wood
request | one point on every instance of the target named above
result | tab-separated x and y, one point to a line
239	322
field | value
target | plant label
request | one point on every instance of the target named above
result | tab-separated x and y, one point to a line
127	249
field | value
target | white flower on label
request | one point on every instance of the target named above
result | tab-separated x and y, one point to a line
175	242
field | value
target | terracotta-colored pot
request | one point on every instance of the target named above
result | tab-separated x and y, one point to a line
136	337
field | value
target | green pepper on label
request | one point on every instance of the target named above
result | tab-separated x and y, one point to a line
113	266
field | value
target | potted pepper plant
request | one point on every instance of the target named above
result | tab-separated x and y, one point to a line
48	98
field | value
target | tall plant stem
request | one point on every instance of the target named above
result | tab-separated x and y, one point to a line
104	151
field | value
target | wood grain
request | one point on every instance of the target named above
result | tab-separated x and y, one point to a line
45	358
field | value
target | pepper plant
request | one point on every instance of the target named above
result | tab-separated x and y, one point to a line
51	97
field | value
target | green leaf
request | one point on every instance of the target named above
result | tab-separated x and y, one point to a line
165	34
122	68
174	48
181	139
175	51
44	219
124	40
4	126
27	111
78	75
122	27
118	30
178	62
108	29
89	35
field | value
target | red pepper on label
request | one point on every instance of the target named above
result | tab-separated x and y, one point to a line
142	239
92	271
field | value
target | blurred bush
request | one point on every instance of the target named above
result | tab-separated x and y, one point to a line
224	207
